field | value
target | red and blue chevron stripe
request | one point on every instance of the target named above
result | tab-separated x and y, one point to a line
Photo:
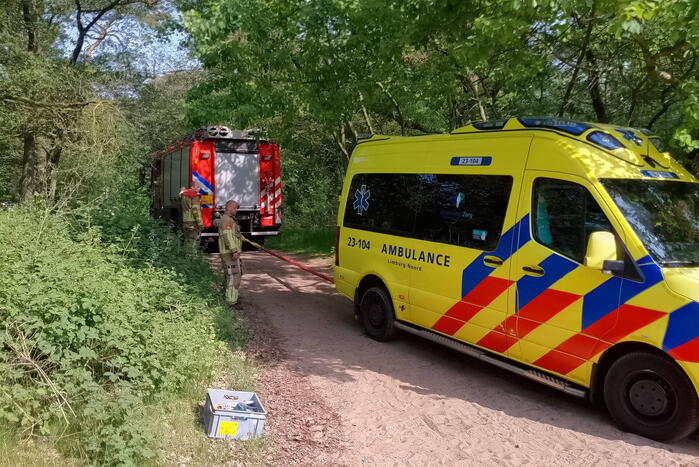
607	318
478	288
682	334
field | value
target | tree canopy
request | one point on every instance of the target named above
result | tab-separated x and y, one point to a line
425	66
318	74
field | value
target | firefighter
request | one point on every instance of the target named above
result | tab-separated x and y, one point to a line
192	223
230	244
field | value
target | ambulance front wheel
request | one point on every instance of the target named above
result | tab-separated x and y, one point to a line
376	314
650	395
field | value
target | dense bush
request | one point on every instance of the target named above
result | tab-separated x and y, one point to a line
98	323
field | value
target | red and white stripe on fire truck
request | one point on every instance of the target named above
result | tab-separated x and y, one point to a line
277	200
270	185
271	196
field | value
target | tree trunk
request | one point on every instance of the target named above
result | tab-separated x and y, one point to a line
593	84
578	62
341	141
52	172
472	81
29	138
29	16
78	47
452	112
366	114
104	32
26	188
694	155
399	115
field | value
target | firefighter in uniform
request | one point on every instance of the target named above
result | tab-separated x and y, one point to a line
192	223
230	244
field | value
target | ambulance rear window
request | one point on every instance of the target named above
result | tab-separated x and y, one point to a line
382	203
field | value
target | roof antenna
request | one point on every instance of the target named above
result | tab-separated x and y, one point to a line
649	160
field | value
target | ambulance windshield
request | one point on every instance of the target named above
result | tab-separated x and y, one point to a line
664	214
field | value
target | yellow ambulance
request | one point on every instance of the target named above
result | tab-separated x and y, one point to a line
566	252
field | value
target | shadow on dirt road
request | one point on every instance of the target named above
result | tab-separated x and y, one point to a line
411	402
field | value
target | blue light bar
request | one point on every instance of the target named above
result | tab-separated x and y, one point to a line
604	140
659	174
560	124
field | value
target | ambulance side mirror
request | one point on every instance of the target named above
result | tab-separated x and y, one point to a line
602	253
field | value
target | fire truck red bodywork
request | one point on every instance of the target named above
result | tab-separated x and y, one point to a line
226	165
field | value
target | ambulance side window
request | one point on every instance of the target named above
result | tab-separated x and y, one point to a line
564	214
382	203
462	210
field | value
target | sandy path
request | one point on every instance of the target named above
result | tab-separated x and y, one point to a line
411	402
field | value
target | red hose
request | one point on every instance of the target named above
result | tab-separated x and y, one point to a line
299	265
291	261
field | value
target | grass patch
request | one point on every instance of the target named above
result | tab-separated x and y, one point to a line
38	451
183	438
179	429
305	242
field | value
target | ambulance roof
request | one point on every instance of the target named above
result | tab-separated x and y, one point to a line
607	150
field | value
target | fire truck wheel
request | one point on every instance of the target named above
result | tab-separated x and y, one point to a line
650	395
376	314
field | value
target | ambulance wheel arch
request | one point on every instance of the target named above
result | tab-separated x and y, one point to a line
609	357
654	373
648	393
373	307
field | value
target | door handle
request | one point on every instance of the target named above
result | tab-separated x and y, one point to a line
536	271
492	261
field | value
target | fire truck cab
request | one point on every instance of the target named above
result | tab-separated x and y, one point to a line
226	165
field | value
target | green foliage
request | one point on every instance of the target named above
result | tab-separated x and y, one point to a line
91	331
316	75
158	114
107	321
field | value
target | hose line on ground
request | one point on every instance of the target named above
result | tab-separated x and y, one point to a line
325	277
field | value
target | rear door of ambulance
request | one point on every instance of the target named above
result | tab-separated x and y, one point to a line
469	190
376	232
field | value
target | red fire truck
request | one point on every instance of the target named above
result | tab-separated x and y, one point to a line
227	165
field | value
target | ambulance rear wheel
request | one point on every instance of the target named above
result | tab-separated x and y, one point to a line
651	396
376	314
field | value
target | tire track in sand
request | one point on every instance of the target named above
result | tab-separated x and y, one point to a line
411	402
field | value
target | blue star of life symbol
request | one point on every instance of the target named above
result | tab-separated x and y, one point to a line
361	199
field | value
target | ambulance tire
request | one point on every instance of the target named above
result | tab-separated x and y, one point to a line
376	314
650	395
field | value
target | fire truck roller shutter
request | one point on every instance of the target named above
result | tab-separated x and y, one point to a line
237	178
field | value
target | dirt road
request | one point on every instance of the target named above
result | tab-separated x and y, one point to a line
411	402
